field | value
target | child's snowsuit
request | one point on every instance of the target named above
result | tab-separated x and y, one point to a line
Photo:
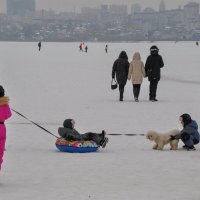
5	113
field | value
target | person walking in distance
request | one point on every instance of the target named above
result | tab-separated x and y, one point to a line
106	48
39	45
86	49
153	65
5	113
120	70
81	47
136	72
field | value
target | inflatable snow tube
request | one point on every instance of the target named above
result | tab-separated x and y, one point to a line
80	146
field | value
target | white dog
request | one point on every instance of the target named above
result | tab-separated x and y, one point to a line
162	139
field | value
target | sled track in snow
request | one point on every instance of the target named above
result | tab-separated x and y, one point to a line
167	78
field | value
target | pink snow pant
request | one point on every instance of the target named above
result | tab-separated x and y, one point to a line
2	142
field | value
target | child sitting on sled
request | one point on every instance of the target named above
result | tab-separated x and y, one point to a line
68	132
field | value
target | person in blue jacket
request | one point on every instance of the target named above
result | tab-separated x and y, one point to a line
189	134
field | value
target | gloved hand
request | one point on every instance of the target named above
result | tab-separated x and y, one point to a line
185	136
69	137
172	137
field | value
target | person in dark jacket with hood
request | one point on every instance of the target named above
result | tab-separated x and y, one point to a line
189	135
120	70
39	45
153	65
68	132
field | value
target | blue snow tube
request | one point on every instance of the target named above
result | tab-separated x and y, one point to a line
76	146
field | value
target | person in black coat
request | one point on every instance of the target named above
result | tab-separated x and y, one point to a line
153	65
39	45
120	70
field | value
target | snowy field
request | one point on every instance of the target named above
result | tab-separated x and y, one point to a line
59	82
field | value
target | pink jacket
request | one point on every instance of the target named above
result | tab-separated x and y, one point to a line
5	112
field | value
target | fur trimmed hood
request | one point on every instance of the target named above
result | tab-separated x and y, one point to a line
4	101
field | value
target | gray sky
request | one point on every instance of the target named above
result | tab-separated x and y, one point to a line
71	5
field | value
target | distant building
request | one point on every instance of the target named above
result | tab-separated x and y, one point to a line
149	10
136	8
162	6
20	7
104	9
91	14
191	11
119	9
104	12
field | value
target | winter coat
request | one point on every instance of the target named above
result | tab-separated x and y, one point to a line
152	66
120	69
192	130
69	134
5	113
136	69
72	134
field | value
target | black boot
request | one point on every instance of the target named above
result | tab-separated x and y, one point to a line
103	134
135	93
191	148
121	96
104	142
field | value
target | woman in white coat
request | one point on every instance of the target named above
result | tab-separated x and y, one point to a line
136	73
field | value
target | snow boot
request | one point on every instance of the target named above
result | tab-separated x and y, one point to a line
136	100
103	134
104	142
191	148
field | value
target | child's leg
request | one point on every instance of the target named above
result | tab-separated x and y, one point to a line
97	138
2	148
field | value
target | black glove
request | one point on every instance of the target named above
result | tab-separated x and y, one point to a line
70	137
172	137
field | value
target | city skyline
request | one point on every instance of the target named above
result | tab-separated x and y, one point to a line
75	5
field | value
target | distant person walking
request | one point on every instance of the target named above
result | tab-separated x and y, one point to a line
39	45
81	47
153	65
106	48
120	70
197	43
86	49
136	72
5	113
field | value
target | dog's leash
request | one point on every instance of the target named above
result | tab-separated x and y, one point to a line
129	134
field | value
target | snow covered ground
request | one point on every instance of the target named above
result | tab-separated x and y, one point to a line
59	82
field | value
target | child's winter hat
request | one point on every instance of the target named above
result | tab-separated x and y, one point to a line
186	119
69	123
2	92
154	48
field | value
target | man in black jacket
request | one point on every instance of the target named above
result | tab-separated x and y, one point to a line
152	67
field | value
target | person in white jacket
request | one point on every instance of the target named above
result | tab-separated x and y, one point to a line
136	73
